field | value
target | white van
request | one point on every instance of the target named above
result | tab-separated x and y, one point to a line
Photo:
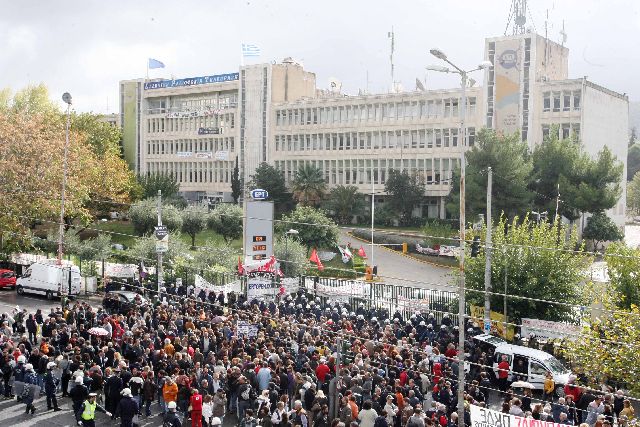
535	363
52	280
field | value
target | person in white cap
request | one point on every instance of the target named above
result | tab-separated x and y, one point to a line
30	379
50	385
87	414
127	408
78	394
171	418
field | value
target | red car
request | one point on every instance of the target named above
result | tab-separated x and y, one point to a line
7	279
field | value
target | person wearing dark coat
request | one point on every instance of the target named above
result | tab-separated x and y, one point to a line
50	384
112	388
127	408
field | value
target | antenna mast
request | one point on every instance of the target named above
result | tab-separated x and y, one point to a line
391	36
519	14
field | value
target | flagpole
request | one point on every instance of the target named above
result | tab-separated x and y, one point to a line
147	69
241	56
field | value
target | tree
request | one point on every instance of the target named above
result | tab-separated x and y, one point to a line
144	249
586	184
144	216
236	183
633	193
537	262
315	228
271	179
308	185
194	220
344	202
291	254
226	220
508	157
213	258
600	229
623	265
165	182
608	348
406	192
633	161
632	136
32	131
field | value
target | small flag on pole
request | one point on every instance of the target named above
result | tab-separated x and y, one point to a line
362	253
419	85
315	258
154	63
250	50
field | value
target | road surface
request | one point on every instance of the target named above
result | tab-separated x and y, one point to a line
398	269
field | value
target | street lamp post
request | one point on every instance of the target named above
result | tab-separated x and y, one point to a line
461	285
66	97
286	247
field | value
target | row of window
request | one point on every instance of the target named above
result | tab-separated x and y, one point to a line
373	112
194	172
207	145
565	130
422	138
197	103
432	171
190	124
561	101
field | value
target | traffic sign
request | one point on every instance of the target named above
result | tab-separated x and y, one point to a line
259	194
487	326
161	232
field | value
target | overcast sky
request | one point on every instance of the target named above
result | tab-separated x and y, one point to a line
87	46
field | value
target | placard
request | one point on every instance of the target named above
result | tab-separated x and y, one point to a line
247	329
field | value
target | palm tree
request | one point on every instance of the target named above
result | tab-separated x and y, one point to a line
345	201
308	185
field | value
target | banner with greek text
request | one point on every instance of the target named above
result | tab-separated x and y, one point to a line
483	417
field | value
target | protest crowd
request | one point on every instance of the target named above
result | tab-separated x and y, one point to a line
301	362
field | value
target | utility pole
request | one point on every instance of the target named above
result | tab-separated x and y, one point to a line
335	399
66	97
557	203
487	255
159	268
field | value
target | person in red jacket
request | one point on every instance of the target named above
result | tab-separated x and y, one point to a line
196	408
321	371
571	389
503	373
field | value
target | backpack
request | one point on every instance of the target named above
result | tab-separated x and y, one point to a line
412	422
246	394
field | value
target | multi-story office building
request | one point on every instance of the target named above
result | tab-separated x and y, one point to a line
197	128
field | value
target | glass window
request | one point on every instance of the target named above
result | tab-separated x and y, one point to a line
546	102
566	101
545	131
556	102
576	101
471	136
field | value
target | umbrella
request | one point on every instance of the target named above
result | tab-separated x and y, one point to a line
101	332
219	319
522	384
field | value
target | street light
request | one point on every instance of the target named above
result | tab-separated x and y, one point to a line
66	97
286	245
461	286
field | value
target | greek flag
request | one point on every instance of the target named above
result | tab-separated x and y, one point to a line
154	63
250	50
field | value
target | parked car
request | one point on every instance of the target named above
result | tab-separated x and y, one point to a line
122	302
50	279
7	279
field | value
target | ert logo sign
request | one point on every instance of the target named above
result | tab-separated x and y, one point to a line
508	58
259	194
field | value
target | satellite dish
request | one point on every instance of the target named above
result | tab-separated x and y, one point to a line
335	85
66	97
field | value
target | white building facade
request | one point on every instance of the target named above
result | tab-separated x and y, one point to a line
198	128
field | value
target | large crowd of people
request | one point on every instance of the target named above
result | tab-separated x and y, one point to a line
297	361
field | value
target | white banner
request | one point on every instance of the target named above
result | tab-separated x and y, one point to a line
483	417
260	285
247	329
116	270
200	282
548	330
222	155
27	259
347	289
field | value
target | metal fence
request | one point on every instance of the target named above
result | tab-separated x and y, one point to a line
405	299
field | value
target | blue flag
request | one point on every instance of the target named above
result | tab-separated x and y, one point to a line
250	50
154	63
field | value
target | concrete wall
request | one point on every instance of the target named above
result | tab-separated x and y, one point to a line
129	105
605	122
